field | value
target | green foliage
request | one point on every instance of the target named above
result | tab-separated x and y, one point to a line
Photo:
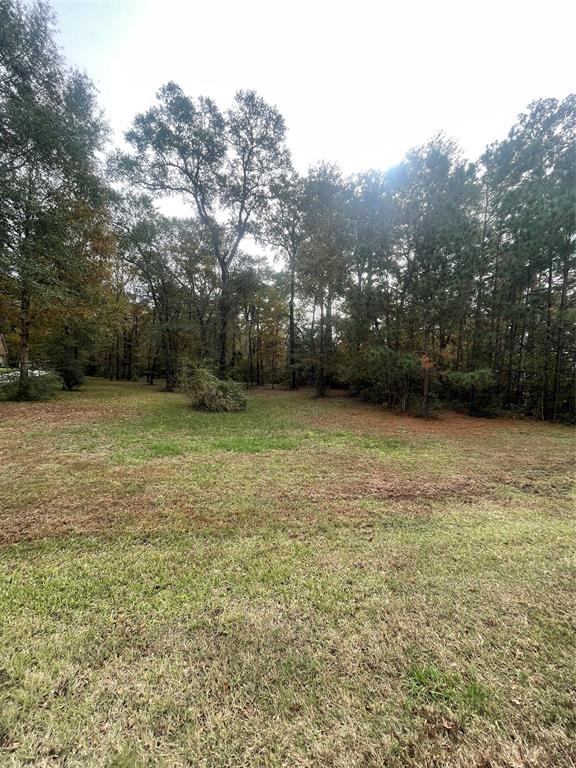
431	683
438	280
238	157
39	385
473	388
381	375
72	374
467	381
207	393
51	196
65	351
66	359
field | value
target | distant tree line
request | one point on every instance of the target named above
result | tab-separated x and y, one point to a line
439	281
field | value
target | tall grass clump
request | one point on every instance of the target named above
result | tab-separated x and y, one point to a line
207	393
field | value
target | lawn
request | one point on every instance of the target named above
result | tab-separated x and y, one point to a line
307	583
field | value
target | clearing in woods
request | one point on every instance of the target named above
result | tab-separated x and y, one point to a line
308	583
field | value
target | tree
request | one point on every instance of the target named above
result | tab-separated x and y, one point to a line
373	270
195	271
324	251
224	164
284	230
147	241
259	296
530	179
437	194
51	224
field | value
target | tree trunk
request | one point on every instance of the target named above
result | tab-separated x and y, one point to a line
556	387
170	340
475	357
459	343
321	380
117	356
203	336
249	348
152	360
426	365
24	351
223	331
545	405
259	357
171	362
328	332
291	326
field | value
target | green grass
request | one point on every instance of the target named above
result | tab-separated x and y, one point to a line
307	583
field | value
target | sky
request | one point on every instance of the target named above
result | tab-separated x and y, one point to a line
358	82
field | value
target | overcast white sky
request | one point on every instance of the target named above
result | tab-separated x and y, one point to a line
359	82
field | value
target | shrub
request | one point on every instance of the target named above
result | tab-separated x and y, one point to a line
40	385
67	362
207	393
381	375
72	374
471	389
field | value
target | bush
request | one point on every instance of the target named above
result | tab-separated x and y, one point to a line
40	385
207	393
381	375
473	390
72	374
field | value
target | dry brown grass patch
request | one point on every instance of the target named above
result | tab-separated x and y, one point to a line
25	416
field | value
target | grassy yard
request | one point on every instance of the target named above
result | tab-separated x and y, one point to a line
308	583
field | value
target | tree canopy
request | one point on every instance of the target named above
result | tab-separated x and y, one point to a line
441	280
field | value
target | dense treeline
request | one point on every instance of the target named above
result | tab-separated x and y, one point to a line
437	281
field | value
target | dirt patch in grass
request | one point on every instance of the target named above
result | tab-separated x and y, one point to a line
408	489
64	520
92	498
350	476
25	416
